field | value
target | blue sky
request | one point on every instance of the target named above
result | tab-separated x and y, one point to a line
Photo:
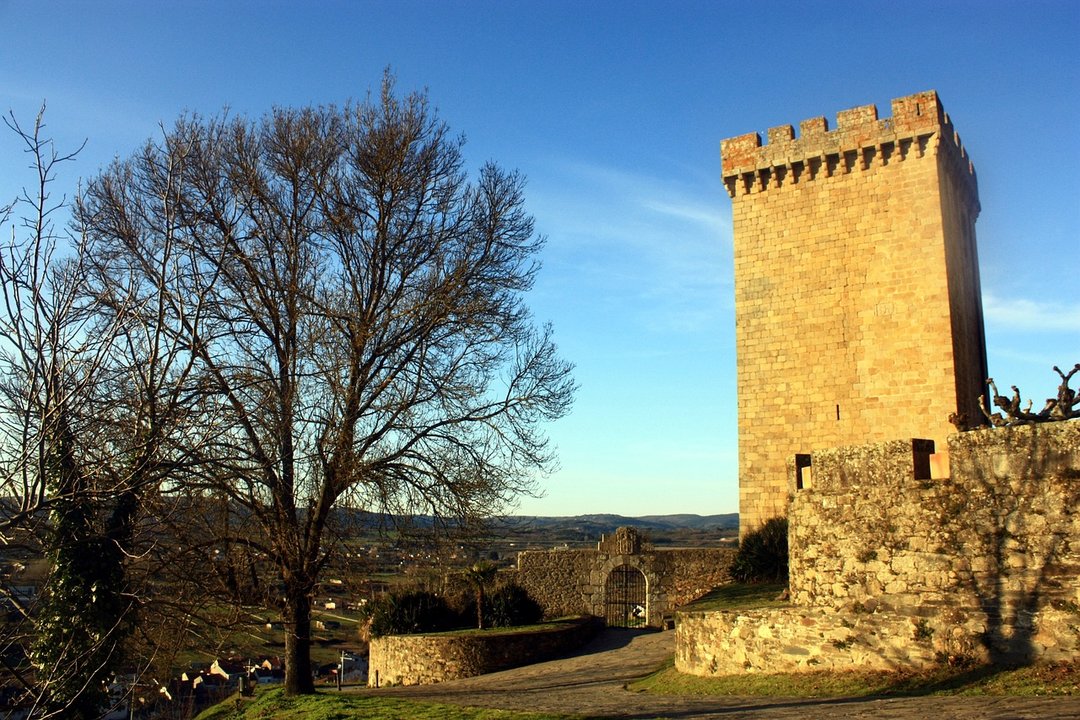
615	112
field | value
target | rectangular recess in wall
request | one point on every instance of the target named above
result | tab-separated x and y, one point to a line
802	471
921	450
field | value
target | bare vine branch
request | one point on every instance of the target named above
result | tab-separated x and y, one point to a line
1065	406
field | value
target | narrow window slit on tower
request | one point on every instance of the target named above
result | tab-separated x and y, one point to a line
838	412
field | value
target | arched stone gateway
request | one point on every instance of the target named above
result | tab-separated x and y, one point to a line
626	598
624	581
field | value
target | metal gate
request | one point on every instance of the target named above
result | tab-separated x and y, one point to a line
624	598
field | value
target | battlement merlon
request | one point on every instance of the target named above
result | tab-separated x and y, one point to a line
915	118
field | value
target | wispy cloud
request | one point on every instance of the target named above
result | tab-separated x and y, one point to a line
682	210
1031	315
663	244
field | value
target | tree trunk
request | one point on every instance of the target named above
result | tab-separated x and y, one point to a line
297	616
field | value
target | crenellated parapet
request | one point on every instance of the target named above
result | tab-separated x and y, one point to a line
860	141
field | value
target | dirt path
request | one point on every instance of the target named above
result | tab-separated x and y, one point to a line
591	684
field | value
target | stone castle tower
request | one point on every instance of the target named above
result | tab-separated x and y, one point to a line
858	310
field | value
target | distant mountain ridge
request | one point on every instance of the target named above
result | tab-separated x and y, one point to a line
591	525
605	522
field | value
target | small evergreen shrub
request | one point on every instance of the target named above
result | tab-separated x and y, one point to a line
763	554
411	612
510	606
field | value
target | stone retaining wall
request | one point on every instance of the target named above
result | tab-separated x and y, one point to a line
727	642
891	567
425	659
987	549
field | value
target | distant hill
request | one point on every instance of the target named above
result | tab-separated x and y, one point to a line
575	528
605	523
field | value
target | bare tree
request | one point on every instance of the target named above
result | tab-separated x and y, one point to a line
43	356
51	355
361	338
93	408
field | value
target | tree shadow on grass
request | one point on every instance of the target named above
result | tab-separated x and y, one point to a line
948	681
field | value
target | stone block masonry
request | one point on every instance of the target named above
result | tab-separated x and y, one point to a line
857	300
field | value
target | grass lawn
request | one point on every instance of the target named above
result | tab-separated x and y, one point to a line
273	705
514	630
242	633
741	596
1059	679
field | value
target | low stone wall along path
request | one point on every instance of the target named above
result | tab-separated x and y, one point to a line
592	684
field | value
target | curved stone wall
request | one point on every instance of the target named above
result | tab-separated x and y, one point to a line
425	659
728	642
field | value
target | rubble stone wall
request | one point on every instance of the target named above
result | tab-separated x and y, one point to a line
557	579
823	638
891	567
426	659
988	547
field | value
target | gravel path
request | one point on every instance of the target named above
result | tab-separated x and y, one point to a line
592	684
